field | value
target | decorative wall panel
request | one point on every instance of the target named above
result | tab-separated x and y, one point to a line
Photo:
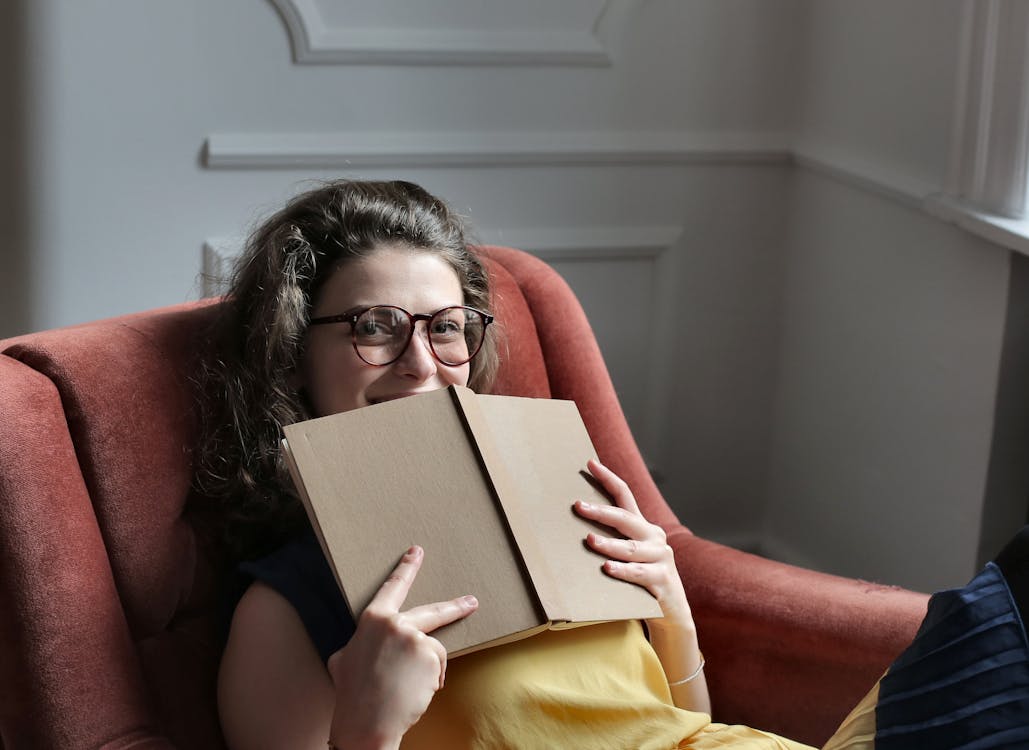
445	32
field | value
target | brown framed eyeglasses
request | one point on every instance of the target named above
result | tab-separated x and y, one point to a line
382	333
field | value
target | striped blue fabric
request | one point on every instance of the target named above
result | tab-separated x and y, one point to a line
964	681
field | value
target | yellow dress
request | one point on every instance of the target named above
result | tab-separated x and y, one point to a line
598	687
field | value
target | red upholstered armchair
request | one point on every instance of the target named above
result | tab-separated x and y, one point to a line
108	606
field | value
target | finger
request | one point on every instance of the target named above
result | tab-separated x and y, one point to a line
393	591
663	585
623	521
441	654
429	617
629	550
614	484
430	645
633	572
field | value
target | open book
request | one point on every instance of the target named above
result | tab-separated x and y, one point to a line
485	484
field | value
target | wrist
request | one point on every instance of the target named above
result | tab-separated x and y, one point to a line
676	626
690	677
676	615
343	736
367	743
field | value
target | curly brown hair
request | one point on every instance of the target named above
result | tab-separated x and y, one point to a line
247	389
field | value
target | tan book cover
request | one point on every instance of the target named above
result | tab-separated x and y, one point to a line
485	484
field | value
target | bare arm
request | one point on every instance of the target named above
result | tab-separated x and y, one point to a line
273	689
645	558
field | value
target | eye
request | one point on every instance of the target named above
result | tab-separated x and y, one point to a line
376	326
370	327
448	325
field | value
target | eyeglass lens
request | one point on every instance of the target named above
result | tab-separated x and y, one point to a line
381	334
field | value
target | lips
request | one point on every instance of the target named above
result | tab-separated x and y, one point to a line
394	396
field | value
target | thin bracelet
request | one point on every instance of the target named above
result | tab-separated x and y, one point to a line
692	677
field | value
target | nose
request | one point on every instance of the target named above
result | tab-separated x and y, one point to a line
417	361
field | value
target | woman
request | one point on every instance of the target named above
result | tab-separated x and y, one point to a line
346	298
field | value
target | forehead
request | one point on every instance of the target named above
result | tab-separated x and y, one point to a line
416	280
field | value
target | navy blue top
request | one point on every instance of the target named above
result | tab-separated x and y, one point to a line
299	572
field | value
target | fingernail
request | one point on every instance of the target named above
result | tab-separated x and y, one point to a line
471	601
413	551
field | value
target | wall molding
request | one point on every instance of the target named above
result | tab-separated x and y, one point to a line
366	150
871	178
1012	234
591	243
651	244
410	150
216	258
316	42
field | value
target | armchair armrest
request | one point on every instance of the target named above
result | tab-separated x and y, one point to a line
69	675
789	650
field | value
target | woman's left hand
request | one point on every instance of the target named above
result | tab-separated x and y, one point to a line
644	556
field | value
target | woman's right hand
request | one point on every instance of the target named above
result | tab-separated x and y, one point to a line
390	669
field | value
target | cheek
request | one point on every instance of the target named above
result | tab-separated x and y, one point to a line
457	375
333	379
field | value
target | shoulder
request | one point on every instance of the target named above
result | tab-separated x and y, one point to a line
264	613
303	579
273	688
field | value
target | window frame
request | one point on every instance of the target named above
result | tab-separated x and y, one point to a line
988	168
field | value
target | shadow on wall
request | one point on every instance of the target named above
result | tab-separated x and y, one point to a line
1006	505
15	179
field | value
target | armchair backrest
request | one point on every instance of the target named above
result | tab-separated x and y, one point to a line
109	631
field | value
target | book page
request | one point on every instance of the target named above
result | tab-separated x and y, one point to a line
544	445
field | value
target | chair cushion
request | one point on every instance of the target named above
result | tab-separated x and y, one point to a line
125	388
68	672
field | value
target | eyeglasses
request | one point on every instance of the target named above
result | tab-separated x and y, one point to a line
382	333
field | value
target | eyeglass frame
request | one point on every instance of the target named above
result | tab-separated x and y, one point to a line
352	316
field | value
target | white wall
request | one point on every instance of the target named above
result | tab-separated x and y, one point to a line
125	95
893	323
743	176
877	85
888	372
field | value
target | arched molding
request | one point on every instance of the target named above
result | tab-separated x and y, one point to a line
318	39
